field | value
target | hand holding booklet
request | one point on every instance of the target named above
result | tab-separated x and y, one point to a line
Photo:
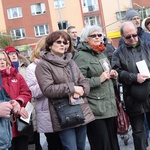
76	101
143	68
29	108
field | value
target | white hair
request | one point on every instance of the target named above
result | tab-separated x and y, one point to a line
88	30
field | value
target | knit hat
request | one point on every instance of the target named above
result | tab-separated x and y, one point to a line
9	49
130	13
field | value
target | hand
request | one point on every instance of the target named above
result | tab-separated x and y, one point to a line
104	76
113	74
5	109
141	78
79	90
16	106
75	95
23	113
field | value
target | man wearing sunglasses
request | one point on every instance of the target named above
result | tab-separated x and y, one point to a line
136	86
132	15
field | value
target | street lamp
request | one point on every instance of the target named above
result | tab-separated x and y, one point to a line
141	7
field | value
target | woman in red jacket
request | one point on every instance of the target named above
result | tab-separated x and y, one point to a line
16	87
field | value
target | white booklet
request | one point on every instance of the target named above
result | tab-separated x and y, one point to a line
143	68
29	108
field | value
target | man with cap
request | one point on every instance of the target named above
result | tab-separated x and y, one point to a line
136	85
18	60
133	15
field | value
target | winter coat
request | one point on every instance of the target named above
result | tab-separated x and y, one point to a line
55	79
124	61
143	35
17	89
101	97
43	118
5	126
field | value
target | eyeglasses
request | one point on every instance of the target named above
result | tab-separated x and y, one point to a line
129	36
12	53
60	42
95	35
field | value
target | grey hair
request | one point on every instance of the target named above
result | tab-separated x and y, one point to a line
88	30
126	23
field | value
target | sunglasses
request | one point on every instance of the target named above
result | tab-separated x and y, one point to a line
60	42
129	36
95	35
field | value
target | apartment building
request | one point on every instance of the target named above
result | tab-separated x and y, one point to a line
28	21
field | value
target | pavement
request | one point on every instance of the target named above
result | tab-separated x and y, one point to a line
125	142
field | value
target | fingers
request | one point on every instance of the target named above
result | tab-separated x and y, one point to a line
23	113
79	90
16	106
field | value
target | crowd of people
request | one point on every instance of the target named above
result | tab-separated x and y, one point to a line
65	66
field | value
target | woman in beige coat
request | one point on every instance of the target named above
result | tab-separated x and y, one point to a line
55	80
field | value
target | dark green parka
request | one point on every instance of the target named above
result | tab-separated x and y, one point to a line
101	97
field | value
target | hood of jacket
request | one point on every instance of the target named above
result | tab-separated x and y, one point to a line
143	24
11	72
23	61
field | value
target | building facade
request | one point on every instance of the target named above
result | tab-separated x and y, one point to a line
27	21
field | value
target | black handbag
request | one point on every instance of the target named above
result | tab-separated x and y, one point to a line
68	115
23	127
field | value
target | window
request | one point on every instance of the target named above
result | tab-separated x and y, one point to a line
38	9
92	20
120	15
18	33
41	30
14	12
63	25
90	5
59	3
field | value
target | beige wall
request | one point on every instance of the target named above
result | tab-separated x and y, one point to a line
2	22
109	9
71	12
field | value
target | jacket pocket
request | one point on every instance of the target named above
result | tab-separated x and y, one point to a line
98	106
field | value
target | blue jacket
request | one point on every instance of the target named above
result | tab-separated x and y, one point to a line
5	126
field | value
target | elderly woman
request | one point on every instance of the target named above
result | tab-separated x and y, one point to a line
96	68
16	87
60	78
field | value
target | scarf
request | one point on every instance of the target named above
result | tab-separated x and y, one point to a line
97	48
16	64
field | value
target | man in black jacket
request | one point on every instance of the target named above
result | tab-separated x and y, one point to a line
124	60
132	15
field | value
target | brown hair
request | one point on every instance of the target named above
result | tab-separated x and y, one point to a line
51	38
39	47
69	28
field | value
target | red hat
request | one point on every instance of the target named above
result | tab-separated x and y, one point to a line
9	49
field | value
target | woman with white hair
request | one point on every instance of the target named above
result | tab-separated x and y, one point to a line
92	62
